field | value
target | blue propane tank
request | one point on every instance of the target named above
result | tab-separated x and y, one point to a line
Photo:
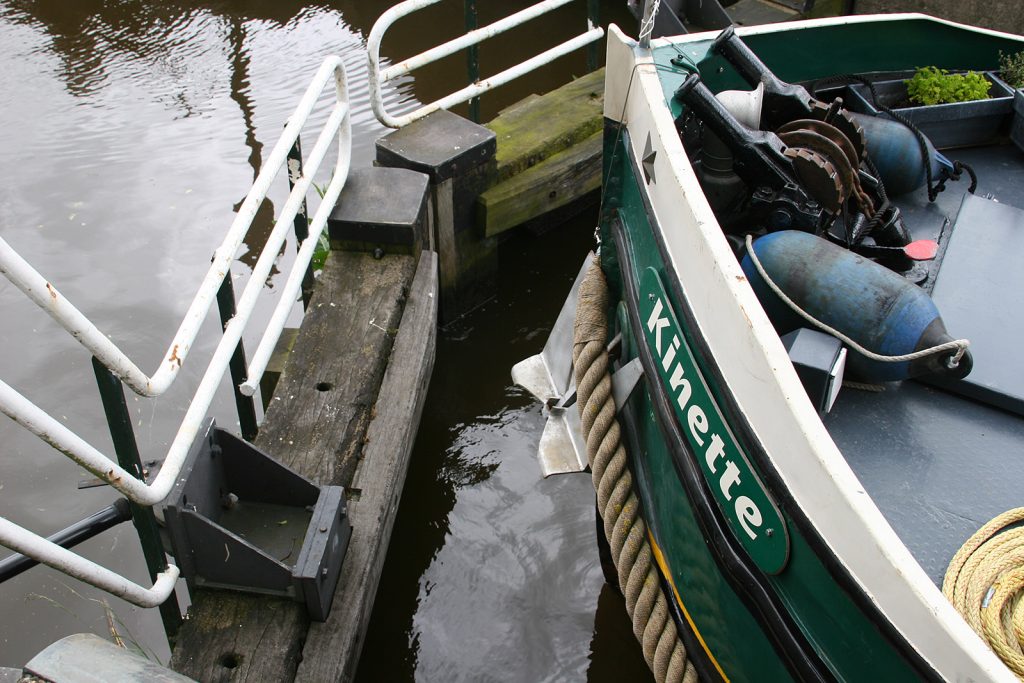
877	308
896	153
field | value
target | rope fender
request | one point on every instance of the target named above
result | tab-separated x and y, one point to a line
617	502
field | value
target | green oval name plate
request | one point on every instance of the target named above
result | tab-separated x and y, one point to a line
753	517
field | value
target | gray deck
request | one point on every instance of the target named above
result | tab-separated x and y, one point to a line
939	464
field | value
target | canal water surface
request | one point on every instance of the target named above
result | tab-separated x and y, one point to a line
129	135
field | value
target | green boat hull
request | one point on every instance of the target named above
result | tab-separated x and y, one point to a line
755	602
717	606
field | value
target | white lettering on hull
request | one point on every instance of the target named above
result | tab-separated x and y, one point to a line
746	510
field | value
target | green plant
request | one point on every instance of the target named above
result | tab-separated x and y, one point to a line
1011	68
323	243
323	248
931	85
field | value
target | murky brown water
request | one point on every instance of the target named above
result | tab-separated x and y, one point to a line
129	134
492	573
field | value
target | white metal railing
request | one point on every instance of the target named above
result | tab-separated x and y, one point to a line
379	77
44	294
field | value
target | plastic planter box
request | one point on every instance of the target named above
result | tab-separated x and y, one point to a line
1017	128
962	124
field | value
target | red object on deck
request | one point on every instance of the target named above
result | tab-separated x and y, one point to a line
922	250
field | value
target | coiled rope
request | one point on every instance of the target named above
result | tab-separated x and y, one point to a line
985	582
617	502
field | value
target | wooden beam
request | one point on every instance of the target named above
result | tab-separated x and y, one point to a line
551	184
230	637
458	156
540	127
755	12
322	405
315	424
332	648
275	366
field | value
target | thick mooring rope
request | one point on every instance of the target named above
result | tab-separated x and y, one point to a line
985	582
616	501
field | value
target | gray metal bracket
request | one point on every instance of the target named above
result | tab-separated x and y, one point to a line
548	376
624	381
238	519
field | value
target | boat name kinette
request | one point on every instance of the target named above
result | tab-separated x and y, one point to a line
747	512
752	516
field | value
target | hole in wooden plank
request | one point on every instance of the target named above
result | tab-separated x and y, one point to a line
324	386
229	660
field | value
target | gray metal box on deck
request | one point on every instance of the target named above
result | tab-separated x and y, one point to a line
240	520
819	360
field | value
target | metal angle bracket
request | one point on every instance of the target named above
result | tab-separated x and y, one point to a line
563	433
239	519
548	376
624	381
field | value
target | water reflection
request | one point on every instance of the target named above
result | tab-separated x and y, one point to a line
263	222
129	134
94	38
492	572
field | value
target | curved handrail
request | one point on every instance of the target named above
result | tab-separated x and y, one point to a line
378	77
50	430
63	560
43	293
46	296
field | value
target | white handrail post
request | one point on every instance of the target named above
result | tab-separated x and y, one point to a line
342	122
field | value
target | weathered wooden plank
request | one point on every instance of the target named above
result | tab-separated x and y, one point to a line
1001	16
535	130
238	637
332	648
551	184
447	252
275	366
755	12
322	403
525	102
315	424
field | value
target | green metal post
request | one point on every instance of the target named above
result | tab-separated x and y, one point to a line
594	17
301	217
472	59
246	405
119	422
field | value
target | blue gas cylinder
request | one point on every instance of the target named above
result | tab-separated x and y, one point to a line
874	306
